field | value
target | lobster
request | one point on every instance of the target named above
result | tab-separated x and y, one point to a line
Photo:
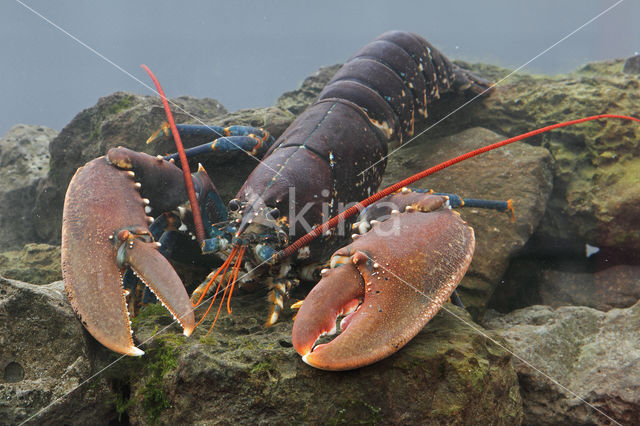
122	211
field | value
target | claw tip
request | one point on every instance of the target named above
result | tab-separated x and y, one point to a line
304	358
134	351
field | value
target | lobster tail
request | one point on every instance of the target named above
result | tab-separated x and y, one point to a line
392	79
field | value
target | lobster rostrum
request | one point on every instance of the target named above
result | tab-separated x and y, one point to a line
123	210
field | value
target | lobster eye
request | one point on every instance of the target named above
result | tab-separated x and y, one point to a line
273	214
234	205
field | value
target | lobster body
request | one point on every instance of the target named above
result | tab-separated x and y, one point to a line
334	153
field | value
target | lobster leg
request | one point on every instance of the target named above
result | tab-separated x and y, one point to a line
455	299
224	139
278	291
382	209
455	201
428	247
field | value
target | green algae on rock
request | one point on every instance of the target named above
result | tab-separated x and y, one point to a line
596	196
449	374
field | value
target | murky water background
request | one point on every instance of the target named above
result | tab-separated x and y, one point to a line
245	54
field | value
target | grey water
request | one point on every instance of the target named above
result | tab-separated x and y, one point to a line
246	54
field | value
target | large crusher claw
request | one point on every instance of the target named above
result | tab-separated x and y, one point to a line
389	283
105	231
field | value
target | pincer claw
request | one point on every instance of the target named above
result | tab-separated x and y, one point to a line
105	231
398	274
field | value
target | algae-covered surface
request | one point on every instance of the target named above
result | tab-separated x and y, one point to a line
596	198
449	374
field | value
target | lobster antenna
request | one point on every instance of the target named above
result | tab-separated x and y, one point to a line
333	222
230	284
223	268
235	276
188	182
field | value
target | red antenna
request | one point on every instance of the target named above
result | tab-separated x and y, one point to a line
331	223
195	207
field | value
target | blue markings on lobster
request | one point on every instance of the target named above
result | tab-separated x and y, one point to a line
333	154
233	138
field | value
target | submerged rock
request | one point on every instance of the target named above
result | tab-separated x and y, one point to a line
243	373
35	264
24	160
615	287
559	273
593	355
45	371
632	65
596	195
25	155
296	101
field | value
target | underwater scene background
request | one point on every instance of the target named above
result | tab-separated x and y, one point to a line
548	334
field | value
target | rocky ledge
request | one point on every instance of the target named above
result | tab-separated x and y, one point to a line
570	188
576	365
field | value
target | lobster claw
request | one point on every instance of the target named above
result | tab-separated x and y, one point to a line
396	277
105	231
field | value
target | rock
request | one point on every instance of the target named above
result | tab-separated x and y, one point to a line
244	373
632	65
24	159
519	172
44	360
298	100
562	274
449	373
24	155
594	355
615	287
596	196
35	264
